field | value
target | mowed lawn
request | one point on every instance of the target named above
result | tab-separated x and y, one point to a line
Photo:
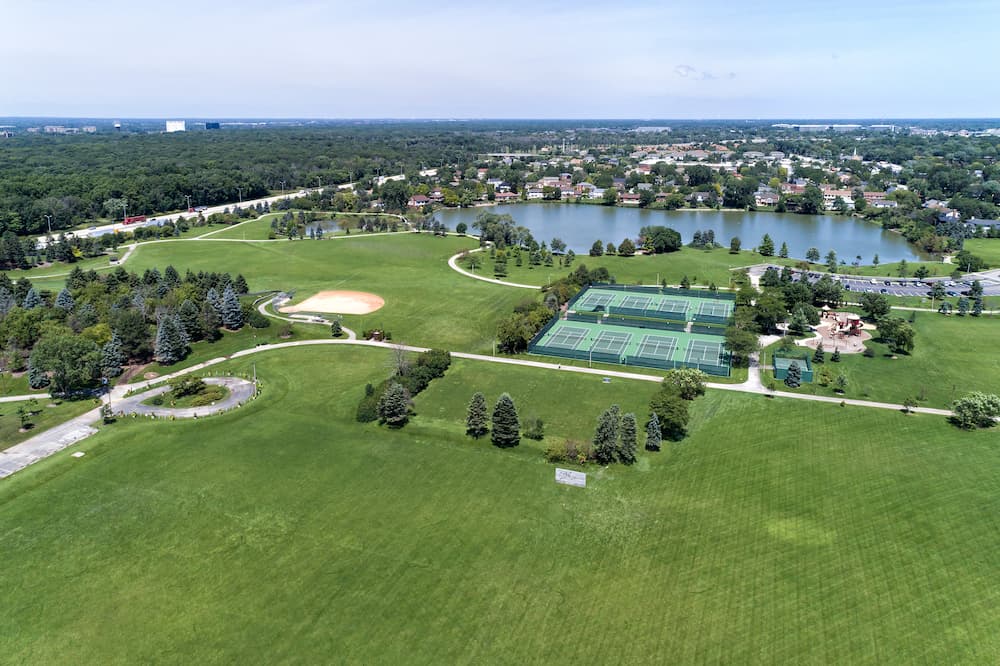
779	531
426	303
986	248
952	355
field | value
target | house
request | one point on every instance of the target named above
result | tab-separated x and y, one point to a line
506	197
948	215
619	183
418	201
535	193
700	197
766	198
629	199
982	225
884	203
596	193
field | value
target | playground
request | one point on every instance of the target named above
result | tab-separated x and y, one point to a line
842	331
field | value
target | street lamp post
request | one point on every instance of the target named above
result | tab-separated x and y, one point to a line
240	191
188	197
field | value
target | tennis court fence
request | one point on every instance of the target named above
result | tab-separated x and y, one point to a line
708	329
715	370
589	317
633	322
709	319
781	362
644	289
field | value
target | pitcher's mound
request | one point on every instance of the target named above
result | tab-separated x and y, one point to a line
338	302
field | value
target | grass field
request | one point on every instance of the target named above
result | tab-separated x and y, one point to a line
286	532
50	413
427	303
952	356
986	248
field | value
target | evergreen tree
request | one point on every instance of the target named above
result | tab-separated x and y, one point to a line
210	322
783	252
766	248
7	302
818	355
627	440
505	424
475	420
112	357
170	277
794	377
31	300
336	330
212	298
977	306
232	313
394	406
653	435
606	437
835	357
64	301
190	319
240	285
36	377
171	341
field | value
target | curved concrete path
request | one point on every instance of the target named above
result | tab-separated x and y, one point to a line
453	262
240	390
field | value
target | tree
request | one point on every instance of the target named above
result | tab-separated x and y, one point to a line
818	356
875	261
897	333
606	437
783	252
232	313
976	410
64	301
653	436
688	383
394	405
685	282
835	357
558	246
610	196
909	403
766	247
938	292
659	239
794	377
841	382
395	195
31	300
505	426
812	200
626	248
741	343
72	361
963	306
37	378
671	411
734	245
461	228
902	269
977	307
609	248
171	340
812	255
112	357
597	249
831	261
336	330
475	419
190	319
210	322
874	305
627	440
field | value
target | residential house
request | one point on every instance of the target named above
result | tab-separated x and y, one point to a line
418	201
629	199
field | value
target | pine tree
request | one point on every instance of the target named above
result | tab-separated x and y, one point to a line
240	285
6	301
209	322
475	420
835	357
31	300
37	378
232	314
818	355
783	252
171	341
653	435
394	405
190	319
171	277
213	299
64	301
112	357
505	424
606	436
627	440
794	377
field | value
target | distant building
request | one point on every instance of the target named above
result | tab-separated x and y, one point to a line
211	126
89	129
176	126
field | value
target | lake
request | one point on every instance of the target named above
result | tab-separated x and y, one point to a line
579	225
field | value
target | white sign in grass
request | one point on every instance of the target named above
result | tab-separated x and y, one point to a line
570	478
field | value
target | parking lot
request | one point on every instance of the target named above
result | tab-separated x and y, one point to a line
895	286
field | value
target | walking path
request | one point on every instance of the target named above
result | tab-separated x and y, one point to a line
453	262
57	438
240	390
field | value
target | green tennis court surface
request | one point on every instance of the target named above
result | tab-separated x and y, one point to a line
654	303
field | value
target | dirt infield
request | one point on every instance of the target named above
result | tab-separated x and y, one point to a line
338	302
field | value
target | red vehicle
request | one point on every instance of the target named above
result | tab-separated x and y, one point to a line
135	218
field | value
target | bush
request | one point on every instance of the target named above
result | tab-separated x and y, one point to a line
255	319
285	331
868	352
156	400
368	407
534	428
208	396
184	386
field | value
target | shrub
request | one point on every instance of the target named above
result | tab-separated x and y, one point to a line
556	452
184	386
534	428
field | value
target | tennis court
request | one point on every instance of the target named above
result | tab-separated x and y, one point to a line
636	302
611	342
671	305
715	308
595	300
657	347
566	337
702	351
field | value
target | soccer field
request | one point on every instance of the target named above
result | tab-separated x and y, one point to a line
778	531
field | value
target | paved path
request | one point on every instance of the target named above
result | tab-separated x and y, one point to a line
278	300
240	390
453	262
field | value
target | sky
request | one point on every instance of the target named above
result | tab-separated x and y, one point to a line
512	59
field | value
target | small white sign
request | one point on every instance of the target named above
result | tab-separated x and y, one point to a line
570	478
78	454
